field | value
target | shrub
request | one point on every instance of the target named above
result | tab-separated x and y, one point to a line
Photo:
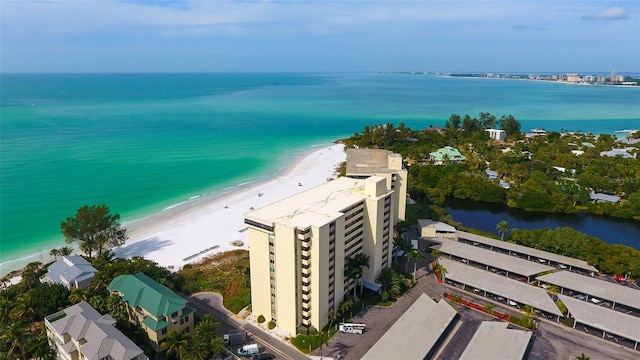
271	324
261	319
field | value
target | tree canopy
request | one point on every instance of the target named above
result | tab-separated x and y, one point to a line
95	229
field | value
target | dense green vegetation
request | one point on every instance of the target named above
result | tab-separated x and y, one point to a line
608	258
530	165
226	273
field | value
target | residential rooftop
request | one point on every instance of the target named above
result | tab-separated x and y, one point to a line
594	287
494	340
491	258
415	333
96	334
140	290
499	285
69	270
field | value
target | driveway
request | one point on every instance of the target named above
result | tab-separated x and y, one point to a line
211	303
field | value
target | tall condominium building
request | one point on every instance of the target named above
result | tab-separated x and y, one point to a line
362	163
299	247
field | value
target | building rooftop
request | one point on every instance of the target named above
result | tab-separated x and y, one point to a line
617	152
499	285
368	161
595	287
101	338
602	318
415	332
140	290
491	258
494	340
438	225
527	251
316	206
69	268
604	197
448	152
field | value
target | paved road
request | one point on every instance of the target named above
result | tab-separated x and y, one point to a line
209	302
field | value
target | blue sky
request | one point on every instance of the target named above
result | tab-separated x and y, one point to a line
324	36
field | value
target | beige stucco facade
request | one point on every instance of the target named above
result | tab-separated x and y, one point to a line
299	246
362	163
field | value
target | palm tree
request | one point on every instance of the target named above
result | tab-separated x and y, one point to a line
55	253
39	348
489	307
583	357
405	246
198	349
353	269
24	309
78	295
503	227
16	335
415	256
553	289
176	344
65	250
346	305
323	339
216	345
333	316
206	328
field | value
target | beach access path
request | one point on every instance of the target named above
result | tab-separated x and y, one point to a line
191	234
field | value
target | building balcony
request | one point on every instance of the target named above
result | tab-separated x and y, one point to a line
306	284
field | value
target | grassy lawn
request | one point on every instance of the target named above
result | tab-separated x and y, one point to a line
226	273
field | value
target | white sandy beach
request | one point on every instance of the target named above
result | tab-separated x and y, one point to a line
194	233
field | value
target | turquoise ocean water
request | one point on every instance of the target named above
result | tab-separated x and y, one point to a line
142	143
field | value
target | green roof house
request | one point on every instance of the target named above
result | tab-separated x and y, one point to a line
153	306
446	154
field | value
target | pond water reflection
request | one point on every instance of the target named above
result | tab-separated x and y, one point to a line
485	216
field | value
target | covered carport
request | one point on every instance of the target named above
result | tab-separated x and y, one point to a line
416	333
491	260
622	298
613	325
525	252
491	284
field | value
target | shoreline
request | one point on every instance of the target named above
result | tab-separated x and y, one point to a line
186	228
193	233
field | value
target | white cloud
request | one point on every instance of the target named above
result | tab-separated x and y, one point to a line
612	13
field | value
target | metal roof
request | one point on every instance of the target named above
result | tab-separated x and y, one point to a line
438	225
491	258
527	251
415	332
500	285
101	338
599	317
594	287
493	340
69	268
141	290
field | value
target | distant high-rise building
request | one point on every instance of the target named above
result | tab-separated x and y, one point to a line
573	78
614	76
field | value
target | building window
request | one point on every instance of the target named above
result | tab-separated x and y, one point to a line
258	225
163	331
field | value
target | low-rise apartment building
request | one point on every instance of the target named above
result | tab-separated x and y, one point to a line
157	309
80	332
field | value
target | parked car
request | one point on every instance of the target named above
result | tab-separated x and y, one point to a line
263	356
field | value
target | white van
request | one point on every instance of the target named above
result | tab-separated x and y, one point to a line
248	350
596	301
352	328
